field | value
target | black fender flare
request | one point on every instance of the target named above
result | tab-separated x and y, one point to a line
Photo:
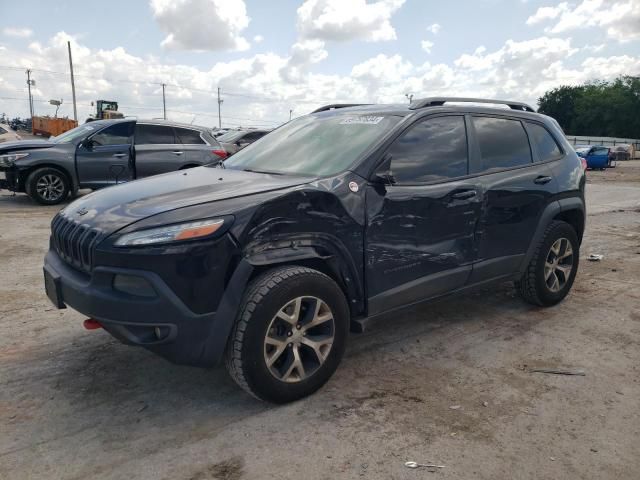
327	248
548	214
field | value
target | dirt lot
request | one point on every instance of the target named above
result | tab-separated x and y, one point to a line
76	404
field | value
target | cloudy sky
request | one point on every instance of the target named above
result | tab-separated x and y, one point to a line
270	57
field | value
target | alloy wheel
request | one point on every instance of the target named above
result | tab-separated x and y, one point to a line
50	187
558	265
299	339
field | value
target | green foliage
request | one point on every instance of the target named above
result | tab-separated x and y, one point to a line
603	109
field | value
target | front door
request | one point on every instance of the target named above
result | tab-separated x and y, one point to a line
598	157
104	158
420	230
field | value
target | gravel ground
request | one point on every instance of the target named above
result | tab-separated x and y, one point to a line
448	382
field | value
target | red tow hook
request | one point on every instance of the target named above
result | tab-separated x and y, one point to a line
91	324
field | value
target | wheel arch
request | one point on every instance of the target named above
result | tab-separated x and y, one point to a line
25	172
329	258
570	210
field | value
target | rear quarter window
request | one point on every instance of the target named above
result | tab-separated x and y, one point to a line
186	136
546	145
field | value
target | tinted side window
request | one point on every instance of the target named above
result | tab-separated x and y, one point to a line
252	137
187	136
545	144
600	151
503	143
118	134
154	135
431	150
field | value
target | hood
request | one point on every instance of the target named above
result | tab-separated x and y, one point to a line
25	145
116	207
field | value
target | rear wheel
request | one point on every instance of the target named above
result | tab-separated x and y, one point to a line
290	334
47	186
553	267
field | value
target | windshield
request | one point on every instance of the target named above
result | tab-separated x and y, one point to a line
74	134
317	145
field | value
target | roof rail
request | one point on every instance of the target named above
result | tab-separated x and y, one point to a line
439	101
334	106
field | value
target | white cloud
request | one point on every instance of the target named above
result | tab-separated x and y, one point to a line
342	20
263	87
547	13
619	18
434	28
258	39
202	24
17	32
426	45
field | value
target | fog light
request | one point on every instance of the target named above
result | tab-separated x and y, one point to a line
133	285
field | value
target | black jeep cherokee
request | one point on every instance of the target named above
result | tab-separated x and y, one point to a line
334	218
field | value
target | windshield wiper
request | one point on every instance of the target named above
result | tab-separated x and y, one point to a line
261	171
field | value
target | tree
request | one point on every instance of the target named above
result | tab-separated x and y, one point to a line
607	109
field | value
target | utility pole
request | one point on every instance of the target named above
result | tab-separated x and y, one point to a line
73	85
29	83
219	115
164	102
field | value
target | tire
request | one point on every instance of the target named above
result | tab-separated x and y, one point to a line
537	286
267	300
36	186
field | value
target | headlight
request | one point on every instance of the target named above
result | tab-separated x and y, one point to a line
171	233
8	159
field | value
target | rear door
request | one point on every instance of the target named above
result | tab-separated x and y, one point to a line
104	158
196	150
516	189
157	150
420	230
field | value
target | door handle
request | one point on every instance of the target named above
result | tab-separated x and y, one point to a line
465	194
177	152
119	155
542	179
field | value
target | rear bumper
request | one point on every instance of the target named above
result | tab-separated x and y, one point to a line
160	323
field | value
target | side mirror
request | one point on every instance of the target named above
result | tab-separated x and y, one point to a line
383	174
87	143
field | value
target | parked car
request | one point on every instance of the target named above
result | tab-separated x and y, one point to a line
267	260
235	140
597	157
103	153
7	134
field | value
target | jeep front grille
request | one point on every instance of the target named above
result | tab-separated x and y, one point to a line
74	242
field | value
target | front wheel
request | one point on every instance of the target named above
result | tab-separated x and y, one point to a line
47	186
553	267
290	334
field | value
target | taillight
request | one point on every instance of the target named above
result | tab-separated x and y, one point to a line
220	153
584	163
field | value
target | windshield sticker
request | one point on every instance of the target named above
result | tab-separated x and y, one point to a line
365	120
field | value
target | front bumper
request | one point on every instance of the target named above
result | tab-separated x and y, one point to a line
161	323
